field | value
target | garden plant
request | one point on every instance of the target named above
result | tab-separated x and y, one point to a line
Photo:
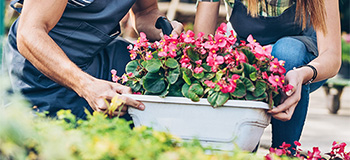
216	68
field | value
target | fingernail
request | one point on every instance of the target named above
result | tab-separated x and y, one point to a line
142	107
289	93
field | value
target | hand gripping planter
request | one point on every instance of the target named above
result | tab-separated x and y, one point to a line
238	122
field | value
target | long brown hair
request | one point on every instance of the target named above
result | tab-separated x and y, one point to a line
305	9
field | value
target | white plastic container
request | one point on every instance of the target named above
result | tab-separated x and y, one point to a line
238	122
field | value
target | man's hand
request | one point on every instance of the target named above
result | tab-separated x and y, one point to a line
144	15
100	91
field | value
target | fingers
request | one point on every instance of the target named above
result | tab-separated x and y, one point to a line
133	103
284	115
119	88
178	27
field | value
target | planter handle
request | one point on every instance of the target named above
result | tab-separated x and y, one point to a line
164	24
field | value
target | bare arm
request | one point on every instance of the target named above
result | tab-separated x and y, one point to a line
145	14
206	17
327	63
38	47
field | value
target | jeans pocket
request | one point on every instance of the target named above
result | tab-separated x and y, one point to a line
82	43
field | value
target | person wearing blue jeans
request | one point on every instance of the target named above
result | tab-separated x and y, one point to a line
305	34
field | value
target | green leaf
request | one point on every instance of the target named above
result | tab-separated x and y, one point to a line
192	55
260	88
153	65
219	75
212	99
206	67
217	99
248	69
240	90
173	75
208	76
186	78
171	63
250	96
165	92
193	96
133	67
253	76
186	75
175	89
185	89
250	55
154	83
135	86
197	89
198	75
248	84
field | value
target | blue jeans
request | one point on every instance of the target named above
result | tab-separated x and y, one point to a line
295	54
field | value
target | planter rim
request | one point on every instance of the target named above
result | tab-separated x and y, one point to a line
202	101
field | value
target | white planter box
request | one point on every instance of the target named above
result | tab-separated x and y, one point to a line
238	122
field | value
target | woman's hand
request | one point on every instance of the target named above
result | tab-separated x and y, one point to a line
99	92
296	78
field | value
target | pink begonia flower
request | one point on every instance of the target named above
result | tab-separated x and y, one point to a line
240	57
252	42
115	78
139	93
171	39
162	53
275	81
232	39
220	40
228	87
314	155
198	70
130	74
172	50
221	29
214	68
297	143
228	59
199	62
188	37
346	37
209	84
277	66
141	41
264	75
263	52
148	56
203	51
185	61
214	59
133	54
288	87
279	152
124	78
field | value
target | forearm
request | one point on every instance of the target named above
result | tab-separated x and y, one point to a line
144	14
329	44
36	46
206	17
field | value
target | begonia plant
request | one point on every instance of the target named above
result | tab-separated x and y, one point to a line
216	67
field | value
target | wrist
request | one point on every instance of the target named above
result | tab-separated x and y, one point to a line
81	85
308	73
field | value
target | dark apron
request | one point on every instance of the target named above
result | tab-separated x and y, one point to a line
88	36
267	30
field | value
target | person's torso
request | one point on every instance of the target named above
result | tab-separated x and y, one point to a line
86	27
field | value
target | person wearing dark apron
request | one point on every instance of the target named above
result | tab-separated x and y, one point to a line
60	53
296	45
